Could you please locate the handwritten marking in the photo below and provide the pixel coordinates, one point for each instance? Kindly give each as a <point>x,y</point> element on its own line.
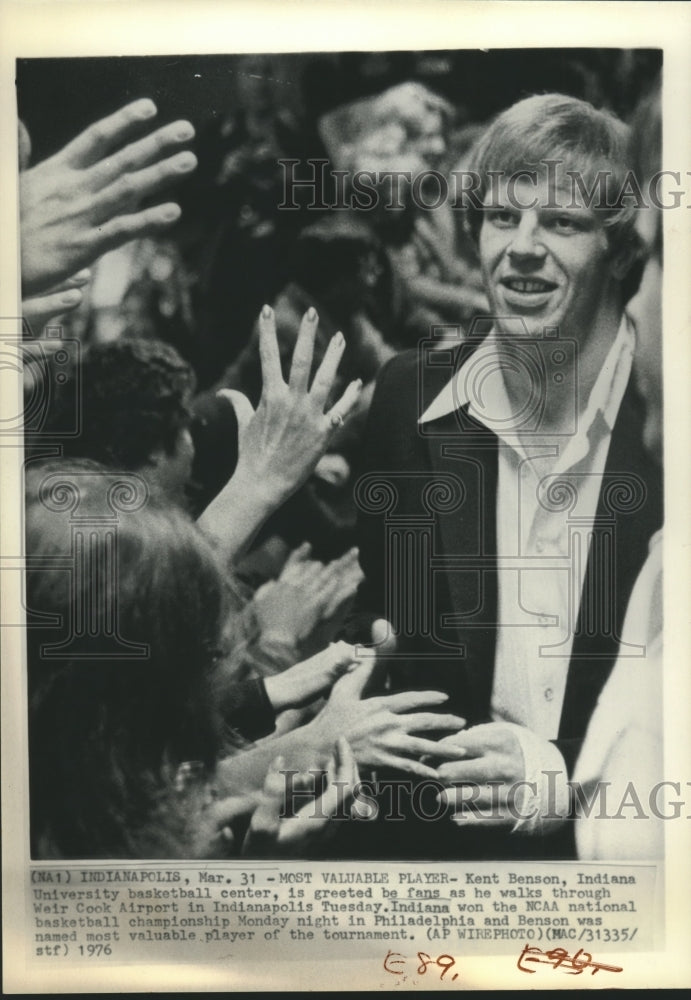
<point>559,958</point>
<point>395,964</point>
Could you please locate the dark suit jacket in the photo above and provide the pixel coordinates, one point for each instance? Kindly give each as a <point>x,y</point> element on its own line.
<point>427,536</point>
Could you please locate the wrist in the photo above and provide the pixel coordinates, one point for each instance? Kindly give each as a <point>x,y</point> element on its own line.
<point>278,637</point>
<point>264,489</point>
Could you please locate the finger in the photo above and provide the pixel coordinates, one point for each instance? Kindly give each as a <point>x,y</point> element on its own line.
<point>337,655</point>
<point>228,810</point>
<point>142,153</point>
<point>115,232</point>
<point>269,355</point>
<point>351,685</point>
<point>298,555</point>
<point>473,797</point>
<point>383,637</point>
<point>418,746</point>
<point>128,190</point>
<point>241,404</point>
<point>407,765</point>
<point>408,701</point>
<point>301,365</point>
<point>99,139</point>
<point>469,817</point>
<point>40,310</point>
<point>433,722</point>
<point>77,280</point>
<point>346,765</point>
<point>477,770</point>
<point>346,404</point>
<point>342,652</point>
<point>480,740</point>
<point>326,373</point>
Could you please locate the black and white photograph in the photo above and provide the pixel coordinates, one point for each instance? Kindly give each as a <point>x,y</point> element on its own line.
<point>340,459</point>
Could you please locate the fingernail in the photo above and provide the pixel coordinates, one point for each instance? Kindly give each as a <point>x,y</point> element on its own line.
<point>184,131</point>
<point>145,108</point>
<point>311,314</point>
<point>82,277</point>
<point>358,384</point>
<point>71,298</point>
<point>186,162</point>
<point>339,339</point>
<point>171,212</point>
<point>267,312</point>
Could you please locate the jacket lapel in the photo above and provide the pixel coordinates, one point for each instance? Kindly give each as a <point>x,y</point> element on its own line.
<point>629,511</point>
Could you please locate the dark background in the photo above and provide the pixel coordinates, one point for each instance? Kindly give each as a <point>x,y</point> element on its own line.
<point>59,97</point>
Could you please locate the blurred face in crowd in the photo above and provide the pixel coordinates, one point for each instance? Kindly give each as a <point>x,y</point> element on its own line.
<point>548,267</point>
<point>427,139</point>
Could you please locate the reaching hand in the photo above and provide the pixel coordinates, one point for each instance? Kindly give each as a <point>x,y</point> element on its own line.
<point>296,835</point>
<point>307,598</point>
<point>281,443</point>
<point>380,730</point>
<point>212,825</point>
<point>479,783</point>
<point>86,198</point>
<point>38,310</point>
<point>301,684</point>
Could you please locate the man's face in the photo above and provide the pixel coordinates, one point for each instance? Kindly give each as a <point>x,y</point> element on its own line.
<point>547,266</point>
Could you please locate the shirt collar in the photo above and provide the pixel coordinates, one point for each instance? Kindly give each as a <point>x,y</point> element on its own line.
<point>479,385</point>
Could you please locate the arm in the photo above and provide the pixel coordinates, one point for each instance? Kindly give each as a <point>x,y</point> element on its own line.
<point>382,732</point>
<point>86,198</point>
<point>281,443</point>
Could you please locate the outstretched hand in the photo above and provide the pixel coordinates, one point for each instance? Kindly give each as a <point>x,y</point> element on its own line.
<point>281,442</point>
<point>295,835</point>
<point>39,310</point>
<point>86,199</point>
<point>482,770</point>
<point>381,730</point>
<point>302,683</point>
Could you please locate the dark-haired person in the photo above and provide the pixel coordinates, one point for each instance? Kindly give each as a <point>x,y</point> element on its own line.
<point>124,728</point>
<point>545,499</point>
<point>135,411</point>
<point>134,401</point>
<point>125,605</point>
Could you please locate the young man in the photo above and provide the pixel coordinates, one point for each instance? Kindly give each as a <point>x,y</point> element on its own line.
<point>507,501</point>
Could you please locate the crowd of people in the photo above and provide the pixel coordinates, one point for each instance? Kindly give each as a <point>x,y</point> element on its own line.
<point>230,651</point>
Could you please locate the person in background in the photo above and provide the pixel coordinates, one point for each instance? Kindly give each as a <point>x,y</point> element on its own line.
<point>124,726</point>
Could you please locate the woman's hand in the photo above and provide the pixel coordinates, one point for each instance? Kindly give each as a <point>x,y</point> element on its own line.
<point>281,442</point>
<point>381,730</point>
<point>301,684</point>
<point>277,831</point>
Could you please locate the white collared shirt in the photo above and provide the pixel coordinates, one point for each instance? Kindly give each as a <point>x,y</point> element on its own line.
<point>547,495</point>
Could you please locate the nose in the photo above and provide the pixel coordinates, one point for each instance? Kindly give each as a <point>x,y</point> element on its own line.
<point>526,244</point>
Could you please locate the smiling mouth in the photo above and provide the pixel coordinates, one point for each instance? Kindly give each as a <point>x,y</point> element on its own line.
<point>528,286</point>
